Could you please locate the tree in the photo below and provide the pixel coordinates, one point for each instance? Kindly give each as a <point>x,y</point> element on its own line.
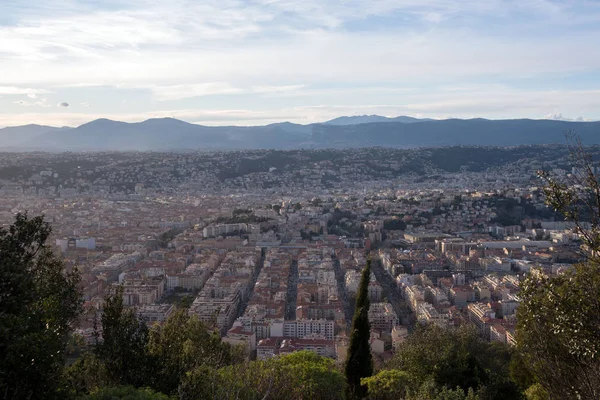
<point>577,197</point>
<point>359,362</point>
<point>431,391</point>
<point>388,384</point>
<point>85,375</point>
<point>125,393</point>
<point>394,224</point>
<point>122,347</point>
<point>39,303</point>
<point>455,358</point>
<point>558,331</point>
<point>536,392</point>
<point>183,344</point>
<point>296,376</point>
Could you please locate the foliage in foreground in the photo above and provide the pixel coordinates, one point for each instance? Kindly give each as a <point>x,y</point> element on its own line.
<point>299,375</point>
<point>125,393</point>
<point>436,359</point>
<point>39,303</point>
<point>558,331</point>
<point>183,344</point>
<point>123,347</point>
<point>132,355</point>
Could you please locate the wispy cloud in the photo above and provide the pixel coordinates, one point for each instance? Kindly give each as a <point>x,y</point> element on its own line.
<point>176,92</point>
<point>261,53</point>
<point>560,117</point>
<point>42,102</point>
<point>21,90</point>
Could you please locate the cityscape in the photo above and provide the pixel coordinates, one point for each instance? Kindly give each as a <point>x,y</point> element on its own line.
<point>268,247</point>
<point>299,200</point>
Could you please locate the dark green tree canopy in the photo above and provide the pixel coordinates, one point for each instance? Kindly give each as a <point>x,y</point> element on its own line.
<point>454,360</point>
<point>39,302</point>
<point>183,344</point>
<point>296,376</point>
<point>126,393</point>
<point>122,347</point>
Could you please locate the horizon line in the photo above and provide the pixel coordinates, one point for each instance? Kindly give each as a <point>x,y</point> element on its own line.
<point>308,124</point>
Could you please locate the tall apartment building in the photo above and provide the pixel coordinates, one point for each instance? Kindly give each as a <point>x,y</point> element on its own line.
<point>219,301</point>
<point>141,291</point>
<point>480,315</point>
<point>375,292</point>
<point>308,327</point>
<point>382,317</point>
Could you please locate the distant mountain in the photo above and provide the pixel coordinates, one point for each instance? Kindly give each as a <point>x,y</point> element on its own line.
<point>452,132</point>
<point>17,135</point>
<point>173,134</point>
<point>152,134</point>
<point>168,134</point>
<point>292,128</point>
<point>367,119</point>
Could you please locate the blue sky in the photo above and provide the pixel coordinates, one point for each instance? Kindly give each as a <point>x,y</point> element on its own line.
<point>221,62</point>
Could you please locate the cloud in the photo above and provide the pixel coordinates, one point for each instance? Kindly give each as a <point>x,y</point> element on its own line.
<point>433,17</point>
<point>176,92</point>
<point>268,43</point>
<point>278,89</point>
<point>43,102</point>
<point>560,117</point>
<point>274,55</point>
<point>63,104</point>
<point>21,90</point>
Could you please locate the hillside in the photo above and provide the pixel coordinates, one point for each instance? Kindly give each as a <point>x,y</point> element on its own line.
<point>343,132</point>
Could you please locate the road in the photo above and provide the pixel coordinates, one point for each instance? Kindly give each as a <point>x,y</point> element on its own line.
<point>341,283</point>
<point>292,292</point>
<point>390,291</point>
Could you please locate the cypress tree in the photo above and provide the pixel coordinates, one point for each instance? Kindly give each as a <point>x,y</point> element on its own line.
<point>359,363</point>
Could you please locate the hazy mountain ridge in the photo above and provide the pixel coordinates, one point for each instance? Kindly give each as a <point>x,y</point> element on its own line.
<point>367,119</point>
<point>172,134</point>
<point>19,135</point>
<point>452,132</point>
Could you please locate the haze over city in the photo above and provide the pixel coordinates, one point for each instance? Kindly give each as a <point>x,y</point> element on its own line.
<point>257,62</point>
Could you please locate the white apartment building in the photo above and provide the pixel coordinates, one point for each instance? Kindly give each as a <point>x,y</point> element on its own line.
<point>382,317</point>
<point>479,315</point>
<point>155,312</point>
<point>309,327</point>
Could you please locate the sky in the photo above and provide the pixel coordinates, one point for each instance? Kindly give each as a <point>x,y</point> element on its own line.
<point>235,62</point>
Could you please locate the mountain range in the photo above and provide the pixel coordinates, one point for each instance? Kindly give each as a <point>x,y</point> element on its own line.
<point>343,132</point>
